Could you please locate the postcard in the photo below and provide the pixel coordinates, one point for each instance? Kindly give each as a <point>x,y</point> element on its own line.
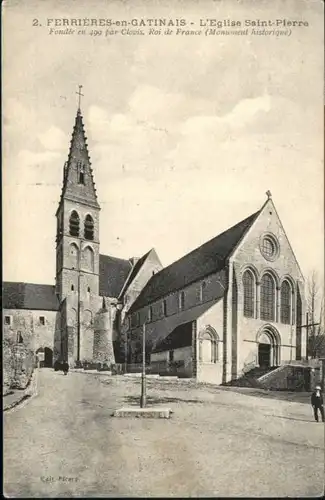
<point>163,248</point>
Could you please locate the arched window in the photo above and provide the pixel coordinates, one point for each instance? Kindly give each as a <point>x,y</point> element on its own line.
<point>74,223</point>
<point>72,288</point>
<point>201,291</point>
<point>88,259</point>
<point>181,301</point>
<point>89,228</point>
<point>267,298</point>
<point>164,308</point>
<point>74,256</point>
<point>293,307</point>
<point>149,314</point>
<point>285,302</point>
<point>208,347</point>
<point>249,294</point>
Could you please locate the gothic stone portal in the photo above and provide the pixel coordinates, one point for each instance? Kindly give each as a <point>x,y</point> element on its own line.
<point>268,348</point>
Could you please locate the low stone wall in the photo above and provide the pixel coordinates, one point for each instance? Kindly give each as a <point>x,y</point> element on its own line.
<point>286,377</point>
<point>18,365</point>
<point>163,368</point>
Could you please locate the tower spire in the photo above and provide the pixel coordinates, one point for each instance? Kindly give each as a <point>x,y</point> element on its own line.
<point>78,181</point>
<point>79,97</point>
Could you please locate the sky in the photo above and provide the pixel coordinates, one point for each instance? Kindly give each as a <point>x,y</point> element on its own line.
<point>185,133</point>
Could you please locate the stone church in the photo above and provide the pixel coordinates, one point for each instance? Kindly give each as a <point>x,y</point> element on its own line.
<point>232,304</point>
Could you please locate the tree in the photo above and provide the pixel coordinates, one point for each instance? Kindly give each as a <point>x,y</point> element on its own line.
<point>315,309</point>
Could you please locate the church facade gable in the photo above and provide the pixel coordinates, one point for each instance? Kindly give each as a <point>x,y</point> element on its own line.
<point>265,297</point>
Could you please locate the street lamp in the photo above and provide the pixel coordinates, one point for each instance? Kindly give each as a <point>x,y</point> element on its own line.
<point>143,378</point>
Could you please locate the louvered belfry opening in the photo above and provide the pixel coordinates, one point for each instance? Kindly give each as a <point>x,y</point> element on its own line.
<point>74,224</point>
<point>89,228</point>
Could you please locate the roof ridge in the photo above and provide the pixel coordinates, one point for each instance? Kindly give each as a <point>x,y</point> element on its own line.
<point>27,283</point>
<point>208,258</point>
<point>207,242</point>
<point>112,257</point>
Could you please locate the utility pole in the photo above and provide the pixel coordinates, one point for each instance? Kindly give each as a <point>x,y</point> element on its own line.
<point>126,351</point>
<point>78,307</point>
<point>143,379</point>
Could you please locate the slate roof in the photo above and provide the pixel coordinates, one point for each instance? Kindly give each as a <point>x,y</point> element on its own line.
<point>113,273</point>
<point>19,295</point>
<point>181,336</point>
<point>78,151</point>
<point>29,296</point>
<point>204,260</point>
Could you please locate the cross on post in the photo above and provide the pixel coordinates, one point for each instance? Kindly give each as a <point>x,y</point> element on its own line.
<point>79,96</point>
<point>268,194</point>
<point>143,398</point>
<point>307,326</point>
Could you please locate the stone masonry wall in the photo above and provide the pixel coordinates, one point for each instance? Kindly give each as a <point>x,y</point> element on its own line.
<point>29,323</point>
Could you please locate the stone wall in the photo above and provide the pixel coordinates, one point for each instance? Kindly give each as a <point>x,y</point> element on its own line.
<point>213,318</point>
<point>103,351</point>
<point>287,377</point>
<point>181,365</point>
<point>35,334</point>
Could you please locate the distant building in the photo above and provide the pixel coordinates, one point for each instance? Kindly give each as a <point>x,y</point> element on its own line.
<point>233,303</point>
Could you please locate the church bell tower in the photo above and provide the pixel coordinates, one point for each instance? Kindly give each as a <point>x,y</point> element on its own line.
<point>77,247</point>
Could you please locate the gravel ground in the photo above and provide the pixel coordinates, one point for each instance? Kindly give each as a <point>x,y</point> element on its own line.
<point>218,442</point>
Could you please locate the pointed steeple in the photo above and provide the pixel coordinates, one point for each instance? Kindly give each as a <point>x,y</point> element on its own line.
<point>78,180</point>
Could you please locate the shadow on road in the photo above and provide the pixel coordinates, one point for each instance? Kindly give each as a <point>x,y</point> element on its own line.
<point>134,400</point>
<point>290,418</point>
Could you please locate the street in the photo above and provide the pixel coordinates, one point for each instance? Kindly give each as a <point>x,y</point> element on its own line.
<point>64,442</point>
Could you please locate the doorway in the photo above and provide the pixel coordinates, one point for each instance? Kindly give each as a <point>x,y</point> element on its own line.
<point>264,355</point>
<point>48,357</point>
